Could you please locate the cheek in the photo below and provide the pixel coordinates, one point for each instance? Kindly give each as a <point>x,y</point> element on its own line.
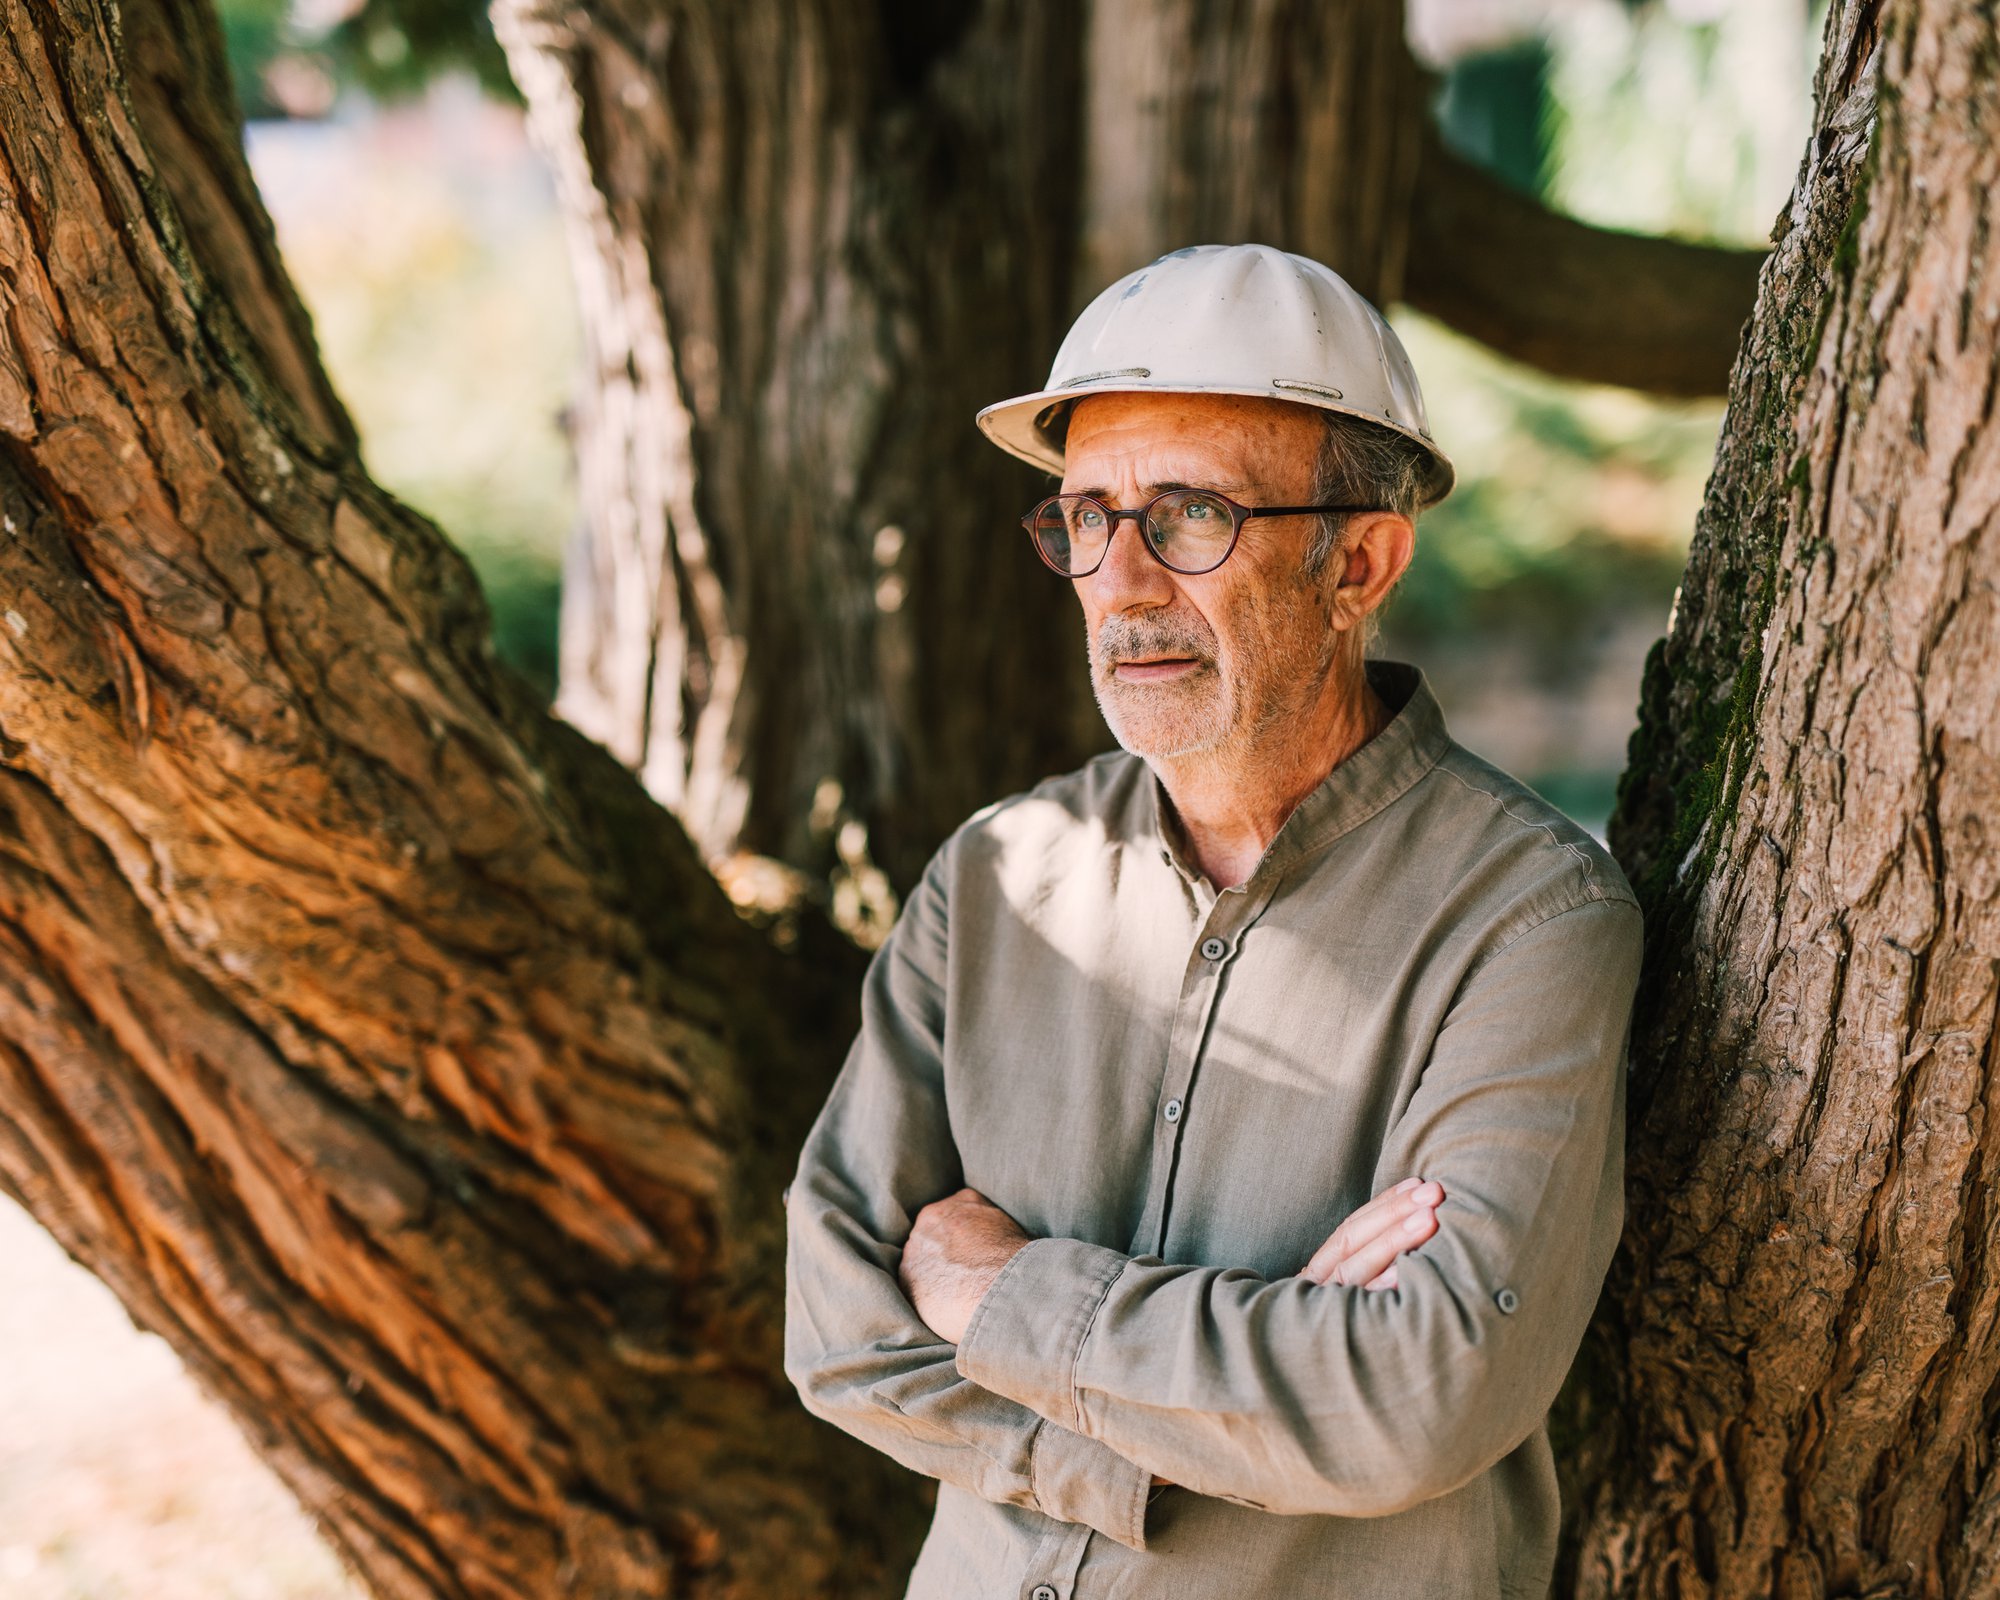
<point>1241,621</point>
<point>1211,604</point>
<point>1273,626</point>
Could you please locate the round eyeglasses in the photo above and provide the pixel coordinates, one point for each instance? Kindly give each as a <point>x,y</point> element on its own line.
<point>1187,530</point>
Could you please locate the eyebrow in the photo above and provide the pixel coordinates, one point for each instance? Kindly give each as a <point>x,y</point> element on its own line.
<point>1162,488</point>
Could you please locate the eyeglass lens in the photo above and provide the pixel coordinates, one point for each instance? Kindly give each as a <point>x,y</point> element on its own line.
<point>1188,529</point>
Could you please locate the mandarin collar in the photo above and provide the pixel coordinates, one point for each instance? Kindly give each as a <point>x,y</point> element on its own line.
<point>1371,778</point>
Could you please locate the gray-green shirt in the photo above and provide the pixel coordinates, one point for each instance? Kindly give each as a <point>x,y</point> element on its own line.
<point>1180,1093</point>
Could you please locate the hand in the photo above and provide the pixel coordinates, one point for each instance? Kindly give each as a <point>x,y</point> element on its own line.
<point>956,1249</point>
<point>1363,1249</point>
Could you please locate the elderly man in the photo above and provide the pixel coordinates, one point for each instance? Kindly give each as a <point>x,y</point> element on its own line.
<point>1084,1230</point>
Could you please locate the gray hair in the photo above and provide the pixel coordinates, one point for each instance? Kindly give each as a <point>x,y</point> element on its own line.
<point>1363,464</point>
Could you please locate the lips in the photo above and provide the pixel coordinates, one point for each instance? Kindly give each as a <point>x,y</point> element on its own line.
<point>1133,669</point>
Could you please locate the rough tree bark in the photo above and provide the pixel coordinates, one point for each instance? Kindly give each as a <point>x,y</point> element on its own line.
<point>796,272</point>
<point>1794,1387</point>
<point>366,1029</point>
<point>394,1056</point>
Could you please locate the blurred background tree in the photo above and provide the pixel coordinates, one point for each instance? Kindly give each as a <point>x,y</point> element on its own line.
<point>424,237</point>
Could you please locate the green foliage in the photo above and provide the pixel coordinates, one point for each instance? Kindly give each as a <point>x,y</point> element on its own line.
<point>294,57</point>
<point>392,48</point>
<point>1562,547</point>
<point>254,32</point>
<point>1573,500</point>
<point>1495,108</point>
<point>427,247</point>
<point>1685,119</point>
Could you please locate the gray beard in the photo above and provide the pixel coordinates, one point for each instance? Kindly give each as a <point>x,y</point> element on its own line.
<point>1202,723</point>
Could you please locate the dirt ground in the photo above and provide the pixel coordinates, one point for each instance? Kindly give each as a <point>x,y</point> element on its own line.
<point>119,1480</point>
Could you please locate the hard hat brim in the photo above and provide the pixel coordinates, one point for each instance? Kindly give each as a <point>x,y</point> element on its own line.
<point>1017,426</point>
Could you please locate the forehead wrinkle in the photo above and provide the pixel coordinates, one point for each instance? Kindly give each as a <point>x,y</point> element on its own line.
<point>1233,448</point>
<point>1162,486</point>
<point>1160,464</point>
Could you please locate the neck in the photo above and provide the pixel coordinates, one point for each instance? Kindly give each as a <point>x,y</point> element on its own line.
<point>1232,800</point>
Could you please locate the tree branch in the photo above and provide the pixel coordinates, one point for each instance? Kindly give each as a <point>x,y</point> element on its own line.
<point>366,1028</point>
<point>1578,301</point>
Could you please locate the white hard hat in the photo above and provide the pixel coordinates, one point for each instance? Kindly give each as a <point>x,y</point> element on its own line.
<point>1227,319</point>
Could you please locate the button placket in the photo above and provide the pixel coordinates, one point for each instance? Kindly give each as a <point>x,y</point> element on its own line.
<point>1235,910</point>
<point>1053,1568</point>
<point>1212,949</point>
<point>1190,1025</point>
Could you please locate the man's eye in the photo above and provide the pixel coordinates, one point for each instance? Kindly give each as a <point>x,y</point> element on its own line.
<point>1093,520</point>
<point>1198,512</point>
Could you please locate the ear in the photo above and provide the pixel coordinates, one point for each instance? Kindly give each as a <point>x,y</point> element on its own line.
<point>1374,554</point>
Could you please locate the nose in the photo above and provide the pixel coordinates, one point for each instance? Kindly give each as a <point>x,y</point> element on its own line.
<point>1128,579</point>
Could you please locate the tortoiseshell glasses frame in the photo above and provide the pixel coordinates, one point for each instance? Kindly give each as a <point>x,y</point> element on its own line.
<point>1183,527</point>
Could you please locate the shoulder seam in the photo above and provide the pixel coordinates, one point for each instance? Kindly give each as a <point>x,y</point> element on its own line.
<point>1590,867</point>
<point>1571,909</point>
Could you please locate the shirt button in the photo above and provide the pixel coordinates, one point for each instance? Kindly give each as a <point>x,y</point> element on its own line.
<point>1042,1591</point>
<point>1507,1300</point>
<point>1213,949</point>
<point>1172,1111</point>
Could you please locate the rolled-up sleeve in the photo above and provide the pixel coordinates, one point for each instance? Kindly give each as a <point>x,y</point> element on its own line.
<point>854,1347</point>
<point>1296,1397</point>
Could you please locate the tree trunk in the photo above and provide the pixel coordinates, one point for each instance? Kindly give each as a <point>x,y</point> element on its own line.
<point>365,1028</point>
<point>1796,1366</point>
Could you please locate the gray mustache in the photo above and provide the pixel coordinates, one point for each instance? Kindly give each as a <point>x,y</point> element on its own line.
<point>1123,642</point>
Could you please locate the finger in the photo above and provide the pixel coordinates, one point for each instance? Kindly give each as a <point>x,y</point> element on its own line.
<point>1335,1260</point>
<point>1385,1279</point>
<point>1387,1210</point>
<point>1363,1225</point>
<point>1378,1253</point>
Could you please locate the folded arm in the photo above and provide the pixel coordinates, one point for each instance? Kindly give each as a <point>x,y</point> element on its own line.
<point>854,1346</point>
<point>1300,1396</point>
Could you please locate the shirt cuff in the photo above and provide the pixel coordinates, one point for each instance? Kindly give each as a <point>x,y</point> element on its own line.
<point>1079,1480</point>
<point>1025,1336</point>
